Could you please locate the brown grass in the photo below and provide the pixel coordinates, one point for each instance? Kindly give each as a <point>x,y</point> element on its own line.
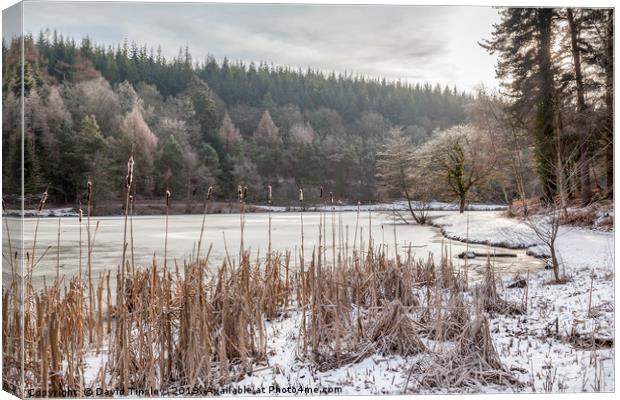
<point>193,324</point>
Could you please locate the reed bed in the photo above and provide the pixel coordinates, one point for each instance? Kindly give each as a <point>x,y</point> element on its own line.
<point>196,324</point>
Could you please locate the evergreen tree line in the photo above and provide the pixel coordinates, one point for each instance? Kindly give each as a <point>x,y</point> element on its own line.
<point>191,124</point>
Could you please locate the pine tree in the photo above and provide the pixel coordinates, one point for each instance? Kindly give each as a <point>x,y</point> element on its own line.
<point>171,166</point>
<point>575,27</point>
<point>267,133</point>
<point>90,141</point>
<point>228,133</point>
<point>522,41</point>
<point>598,53</point>
<point>205,112</point>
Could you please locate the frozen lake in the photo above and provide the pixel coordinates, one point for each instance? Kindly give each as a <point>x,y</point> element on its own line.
<point>184,231</point>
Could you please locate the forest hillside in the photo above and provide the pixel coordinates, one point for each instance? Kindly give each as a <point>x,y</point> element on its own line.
<point>196,123</point>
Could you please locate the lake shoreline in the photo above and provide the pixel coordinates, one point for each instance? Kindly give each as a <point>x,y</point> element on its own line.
<point>148,208</point>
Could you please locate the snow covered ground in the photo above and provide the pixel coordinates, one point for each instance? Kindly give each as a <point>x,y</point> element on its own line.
<point>577,247</point>
<point>533,346</point>
<point>46,212</point>
<point>536,346</point>
<point>398,206</point>
<point>587,257</point>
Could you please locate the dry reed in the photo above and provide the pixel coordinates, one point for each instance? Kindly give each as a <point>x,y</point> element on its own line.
<point>204,217</point>
<point>195,325</point>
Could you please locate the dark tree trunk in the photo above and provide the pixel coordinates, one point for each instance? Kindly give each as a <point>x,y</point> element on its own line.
<point>609,102</point>
<point>411,210</point>
<point>545,128</point>
<point>555,264</point>
<point>462,203</point>
<point>405,189</point>
<point>584,161</point>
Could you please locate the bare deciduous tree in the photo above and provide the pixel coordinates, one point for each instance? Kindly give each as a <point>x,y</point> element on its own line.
<point>460,160</point>
<point>401,175</point>
<point>546,228</point>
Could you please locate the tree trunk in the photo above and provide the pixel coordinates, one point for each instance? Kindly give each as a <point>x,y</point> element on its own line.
<point>462,203</point>
<point>545,129</point>
<point>609,103</point>
<point>413,214</point>
<point>584,161</point>
<point>555,263</point>
<point>560,167</point>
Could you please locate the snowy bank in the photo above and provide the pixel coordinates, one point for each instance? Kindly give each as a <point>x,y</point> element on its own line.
<point>491,228</point>
<point>46,212</point>
<point>578,246</point>
<point>397,206</point>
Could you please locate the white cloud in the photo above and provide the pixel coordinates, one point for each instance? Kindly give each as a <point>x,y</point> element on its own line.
<point>419,44</point>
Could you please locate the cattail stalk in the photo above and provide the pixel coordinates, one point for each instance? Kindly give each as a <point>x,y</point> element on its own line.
<point>331,200</point>
<point>241,192</point>
<point>58,252</point>
<point>269,199</point>
<point>128,185</point>
<point>301,215</point>
<point>357,222</point>
<point>80,217</point>
<point>340,238</point>
<point>99,314</point>
<point>124,326</point>
<point>320,233</point>
<point>36,229</point>
<point>131,203</point>
<point>204,217</point>
<point>166,237</point>
<point>369,228</point>
<point>89,195</point>
<point>394,230</point>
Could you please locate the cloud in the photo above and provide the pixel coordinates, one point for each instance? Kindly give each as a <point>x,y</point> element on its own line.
<point>436,44</point>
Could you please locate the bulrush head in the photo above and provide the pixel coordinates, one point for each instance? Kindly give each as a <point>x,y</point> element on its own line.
<point>43,200</point>
<point>321,192</point>
<point>301,195</point>
<point>130,164</point>
<point>81,214</point>
<point>209,192</point>
<point>331,197</point>
<point>245,192</point>
<point>269,194</point>
<point>240,193</point>
<point>167,198</point>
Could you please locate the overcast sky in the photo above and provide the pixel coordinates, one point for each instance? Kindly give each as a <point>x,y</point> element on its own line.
<point>419,44</point>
